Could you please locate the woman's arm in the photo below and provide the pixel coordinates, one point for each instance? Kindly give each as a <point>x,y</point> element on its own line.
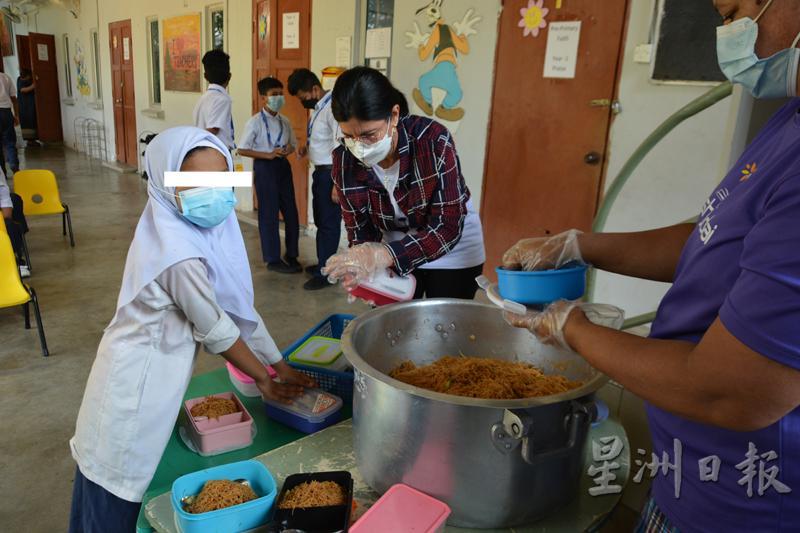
<point>28,89</point>
<point>257,154</point>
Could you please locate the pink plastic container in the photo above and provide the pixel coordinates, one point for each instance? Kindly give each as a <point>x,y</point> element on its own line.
<point>244,383</point>
<point>404,510</point>
<point>224,434</point>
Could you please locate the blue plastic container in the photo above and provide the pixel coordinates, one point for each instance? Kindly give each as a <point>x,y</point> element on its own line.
<point>311,412</point>
<point>242,517</point>
<point>338,383</point>
<point>542,286</point>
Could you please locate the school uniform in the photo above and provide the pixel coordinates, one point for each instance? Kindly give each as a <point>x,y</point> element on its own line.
<point>15,224</point>
<point>265,132</point>
<point>184,286</point>
<point>322,130</point>
<point>8,135</point>
<point>213,110</point>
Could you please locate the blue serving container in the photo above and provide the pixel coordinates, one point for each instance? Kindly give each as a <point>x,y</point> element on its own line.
<point>307,413</point>
<point>242,517</point>
<point>542,286</point>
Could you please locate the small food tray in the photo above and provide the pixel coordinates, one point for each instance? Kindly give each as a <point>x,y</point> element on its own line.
<point>322,352</point>
<point>403,509</point>
<point>317,519</point>
<point>221,435</point>
<point>542,286</point>
<point>240,517</point>
<point>244,383</point>
<point>309,413</point>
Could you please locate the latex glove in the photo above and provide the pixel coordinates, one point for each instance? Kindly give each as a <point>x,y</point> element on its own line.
<point>544,253</point>
<point>358,264</point>
<point>548,325</point>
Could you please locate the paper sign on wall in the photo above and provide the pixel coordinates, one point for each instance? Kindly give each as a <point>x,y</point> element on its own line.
<point>42,52</point>
<point>379,43</point>
<point>126,48</point>
<point>291,30</point>
<point>561,55</point>
<point>343,52</point>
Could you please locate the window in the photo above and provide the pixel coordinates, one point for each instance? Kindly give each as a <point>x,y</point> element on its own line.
<point>96,64</point>
<point>380,14</point>
<point>215,19</point>
<point>67,69</point>
<point>154,61</point>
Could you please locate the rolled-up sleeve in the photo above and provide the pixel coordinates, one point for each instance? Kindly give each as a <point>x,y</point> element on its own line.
<point>263,346</point>
<point>188,284</point>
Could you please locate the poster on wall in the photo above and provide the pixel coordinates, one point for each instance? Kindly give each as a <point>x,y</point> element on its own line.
<point>6,36</point>
<point>291,30</point>
<point>181,43</point>
<point>41,52</point>
<point>81,75</point>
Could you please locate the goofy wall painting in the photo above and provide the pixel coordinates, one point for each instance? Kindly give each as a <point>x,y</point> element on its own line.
<point>444,43</point>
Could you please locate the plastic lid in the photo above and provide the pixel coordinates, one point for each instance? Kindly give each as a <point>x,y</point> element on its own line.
<point>315,405</point>
<point>319,351</point>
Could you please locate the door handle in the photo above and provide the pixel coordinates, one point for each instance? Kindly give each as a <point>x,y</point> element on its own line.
<point>592,158</point>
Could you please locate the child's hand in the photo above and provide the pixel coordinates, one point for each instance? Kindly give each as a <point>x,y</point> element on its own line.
<point>288,149</point>
<point>279,392</point>
<point>292,376</point>
<point>302,151</point>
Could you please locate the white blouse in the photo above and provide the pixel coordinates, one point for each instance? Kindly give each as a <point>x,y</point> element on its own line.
<point>141,372</point>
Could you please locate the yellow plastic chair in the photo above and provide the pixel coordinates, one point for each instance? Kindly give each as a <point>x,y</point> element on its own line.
<point>39,192</point>
<point>4,229</point>
<point>14,292</point>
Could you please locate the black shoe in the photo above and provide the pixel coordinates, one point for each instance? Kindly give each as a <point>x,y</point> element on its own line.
<point>312,270</point>
<point>294,263</point>
<point>316,283</point>
<point>280,267</point>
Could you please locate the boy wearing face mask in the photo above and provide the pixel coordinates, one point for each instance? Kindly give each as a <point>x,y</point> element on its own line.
<point>269,139</point>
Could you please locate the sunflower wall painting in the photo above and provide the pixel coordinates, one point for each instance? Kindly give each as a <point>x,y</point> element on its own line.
<point>181,44</point>
<point>81,75</point>
<point>533,18</point>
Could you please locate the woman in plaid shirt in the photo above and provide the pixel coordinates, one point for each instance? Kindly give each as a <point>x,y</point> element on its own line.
<point>404,201</point>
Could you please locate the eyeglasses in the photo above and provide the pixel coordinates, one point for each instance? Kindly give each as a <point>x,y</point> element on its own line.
<point>368,138</point>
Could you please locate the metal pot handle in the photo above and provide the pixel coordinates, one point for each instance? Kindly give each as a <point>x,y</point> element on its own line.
<point>516,430</point>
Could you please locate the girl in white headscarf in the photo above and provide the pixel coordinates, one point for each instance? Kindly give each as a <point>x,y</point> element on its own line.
<point>187,282</point>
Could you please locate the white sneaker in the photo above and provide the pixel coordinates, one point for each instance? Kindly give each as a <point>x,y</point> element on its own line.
<point>24,271</point>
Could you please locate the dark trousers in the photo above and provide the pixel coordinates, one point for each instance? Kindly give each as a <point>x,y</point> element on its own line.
<point>16,226</point>
<point>9,138</point>
<point>441,283</point>
<point>95,510</point>
<point>275,193</point>
<point>327,215</point>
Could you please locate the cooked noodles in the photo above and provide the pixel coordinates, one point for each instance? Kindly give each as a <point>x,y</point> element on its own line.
<point>214,407</point>
<point>313,494</point>
<point>483,378</point>
<point>220,494</point>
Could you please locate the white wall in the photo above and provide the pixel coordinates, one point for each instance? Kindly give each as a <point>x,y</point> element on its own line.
<point>672,182</point>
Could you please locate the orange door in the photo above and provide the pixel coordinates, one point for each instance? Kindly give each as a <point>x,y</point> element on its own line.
<point>546,151</point>
<point>48,97</point>
<point>271,59</point>
<point>122,90</point>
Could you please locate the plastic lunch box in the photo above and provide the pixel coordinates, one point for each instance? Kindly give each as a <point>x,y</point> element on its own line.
<point>403,509</point>
<point>542,287</point>
<point>317,519</point>
<point>320,351</point>
<point>244,383</point>
<point>311,412</point>
<point>237,518</point>
<point>224,434</point>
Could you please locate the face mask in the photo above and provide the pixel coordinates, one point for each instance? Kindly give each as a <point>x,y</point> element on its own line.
<point>771,77</point>
<point>207,206</point>
<point>275,102</point>
<point>371,154</point>
<point>310,103</point>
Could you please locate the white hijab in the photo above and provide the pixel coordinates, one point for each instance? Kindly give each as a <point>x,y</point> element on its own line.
<point>164,237</point>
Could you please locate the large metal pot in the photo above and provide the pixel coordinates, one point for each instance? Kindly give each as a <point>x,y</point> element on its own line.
<point>496,463</point>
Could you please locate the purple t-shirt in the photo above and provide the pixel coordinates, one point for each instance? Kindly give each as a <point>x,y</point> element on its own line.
<point>741,263</point>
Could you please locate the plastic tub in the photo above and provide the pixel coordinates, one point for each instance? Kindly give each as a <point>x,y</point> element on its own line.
<point>323,352</point>
<point>241,517</point>
<point>317,519</point>
<point>311,412</point>
<point>221,435</point>
<point>542,287</point>
<point>244,383</point>
<point>402,510</point>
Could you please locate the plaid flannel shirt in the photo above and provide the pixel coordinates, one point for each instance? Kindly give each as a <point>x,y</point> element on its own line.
<point>431,191</point>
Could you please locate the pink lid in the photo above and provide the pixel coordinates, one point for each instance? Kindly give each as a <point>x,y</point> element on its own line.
<point>244,378</point>
<point>403,510</point>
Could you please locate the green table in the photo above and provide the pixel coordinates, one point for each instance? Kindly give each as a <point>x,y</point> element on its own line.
<point>179,460</point>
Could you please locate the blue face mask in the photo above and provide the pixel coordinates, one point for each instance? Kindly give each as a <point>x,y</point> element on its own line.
<point>771,77</point>
<point>207,206</point>
<point>275,102</point>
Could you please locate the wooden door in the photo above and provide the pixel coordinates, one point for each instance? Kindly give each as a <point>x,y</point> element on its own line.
<point>122,90</point>
<point>546,151</point>
<point>47,95</point>
<point>24,52</point>
<point>270,58</point>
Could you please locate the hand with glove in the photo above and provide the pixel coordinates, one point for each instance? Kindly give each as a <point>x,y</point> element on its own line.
<point>544,253</point>
<point>548,325</point>
<point>358,264</point>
